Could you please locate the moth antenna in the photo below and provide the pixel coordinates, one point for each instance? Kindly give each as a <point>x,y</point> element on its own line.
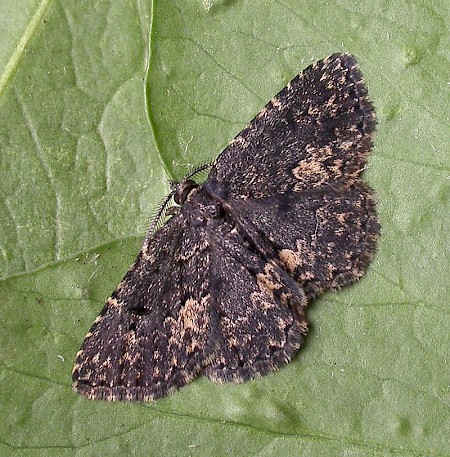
<point>161,209</point>
<point>198,170</point>
<point>159,214</point>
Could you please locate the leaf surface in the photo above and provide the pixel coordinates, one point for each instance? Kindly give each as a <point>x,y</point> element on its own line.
<point>88,138</point>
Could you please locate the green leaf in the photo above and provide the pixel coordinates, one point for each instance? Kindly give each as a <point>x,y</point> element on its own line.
<point>88,138</point>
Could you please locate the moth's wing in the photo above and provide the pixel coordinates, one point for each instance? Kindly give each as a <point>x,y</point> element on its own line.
<point>260,307</point>
<point>323,238</point>
<point>154,333</point>
<point>317,130</point>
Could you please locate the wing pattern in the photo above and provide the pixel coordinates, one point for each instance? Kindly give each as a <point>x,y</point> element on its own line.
<point>221,288</point>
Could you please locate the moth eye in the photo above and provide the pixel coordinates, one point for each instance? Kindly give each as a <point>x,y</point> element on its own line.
<point>183,190</point>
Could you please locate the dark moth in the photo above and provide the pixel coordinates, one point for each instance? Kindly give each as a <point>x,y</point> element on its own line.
<point>221,288</point>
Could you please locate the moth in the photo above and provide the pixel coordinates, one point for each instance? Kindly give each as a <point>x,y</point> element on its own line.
<point>221,288</point>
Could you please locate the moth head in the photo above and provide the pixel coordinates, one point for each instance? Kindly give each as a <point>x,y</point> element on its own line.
<point>181,190</point>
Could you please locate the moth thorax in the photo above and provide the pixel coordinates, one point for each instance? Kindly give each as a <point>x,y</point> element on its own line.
<point>182,190</point>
